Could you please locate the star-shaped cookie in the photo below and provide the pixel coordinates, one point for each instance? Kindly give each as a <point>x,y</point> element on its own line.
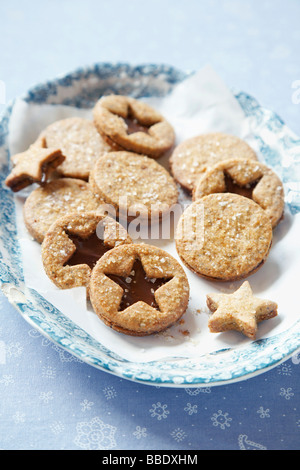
<point>33,166</point>
<point>239,311</point>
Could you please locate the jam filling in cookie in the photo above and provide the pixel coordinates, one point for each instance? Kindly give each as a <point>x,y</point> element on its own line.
<point>129,124</point>
<point>233,187</point>
<point>193,157</point>
<point>74,244</point>
<point>133,125</point>
<point>138,287</point>
<point>247,178</point>
<point>88,250</point>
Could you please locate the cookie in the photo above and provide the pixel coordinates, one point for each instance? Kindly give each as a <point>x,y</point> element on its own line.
<point>139,289</point>
<point>129,124</point>
<point>240,311</point>
<point>224,237</point>
<point>80,143</point>
<point>134,184</point>
<point>74,243</point>
<point>35,165</point>
<point>55,199</point>
<point>247,178</point>
<point>192,157</point>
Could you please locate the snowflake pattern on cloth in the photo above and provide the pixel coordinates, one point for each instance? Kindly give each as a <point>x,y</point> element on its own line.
<point>79,407</point>
<point>95,435</point>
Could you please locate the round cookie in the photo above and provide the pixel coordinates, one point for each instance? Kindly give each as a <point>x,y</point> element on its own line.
<point>134,184</point>
<point>139,289</point>
<point>224,237</point>
<point>192,157</point>
<point>74,243</point>
<point>59,197</point>
<point>248,178</point>
<point>129,124</point>
<point>80,143</point>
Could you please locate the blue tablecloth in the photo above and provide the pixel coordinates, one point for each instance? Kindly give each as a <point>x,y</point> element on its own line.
<point>48,398</point>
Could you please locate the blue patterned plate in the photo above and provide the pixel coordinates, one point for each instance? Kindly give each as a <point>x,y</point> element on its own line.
<point>82,88</point>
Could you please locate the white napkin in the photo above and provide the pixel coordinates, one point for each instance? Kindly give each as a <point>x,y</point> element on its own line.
<point>201,103</point>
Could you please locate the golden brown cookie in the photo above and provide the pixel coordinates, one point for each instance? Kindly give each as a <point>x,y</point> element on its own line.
<point>192,157</point>
<point>55,199</point>
<point>74,243</point>
<point>224,237</point>
<point>239,311</point>
<point>247,178</point>
<point>139,289</point>
<point>80,143</point>
<point>130,124</point>
<point>35,165</point>
<point>134,184</point>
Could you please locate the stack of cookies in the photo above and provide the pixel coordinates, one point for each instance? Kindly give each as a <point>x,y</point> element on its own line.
<point>226,232</point>
<point>86,168</point>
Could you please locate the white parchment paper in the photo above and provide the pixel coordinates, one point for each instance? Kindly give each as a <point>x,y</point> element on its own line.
<point>202,103</point>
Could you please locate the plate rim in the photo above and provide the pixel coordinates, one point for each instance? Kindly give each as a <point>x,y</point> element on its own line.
<point>172,380</point>
<point>142,381</point>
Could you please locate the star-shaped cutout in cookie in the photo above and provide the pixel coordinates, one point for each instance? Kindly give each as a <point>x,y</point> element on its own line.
<point>33,166</point>
<point>239,311</point>
<point>138,287</point>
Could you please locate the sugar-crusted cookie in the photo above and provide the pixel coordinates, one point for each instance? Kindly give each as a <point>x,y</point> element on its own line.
<point>130,124</point>
<point>239,311</point>
<point>248,178</point>
<point>139,289</point>
<point>134,184</point>
<point>55,199</point>
<point>74,243</point>
<point>224,237</point>
<point>80,143</point>
<point>35,165</point>
<point>192,157</point>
